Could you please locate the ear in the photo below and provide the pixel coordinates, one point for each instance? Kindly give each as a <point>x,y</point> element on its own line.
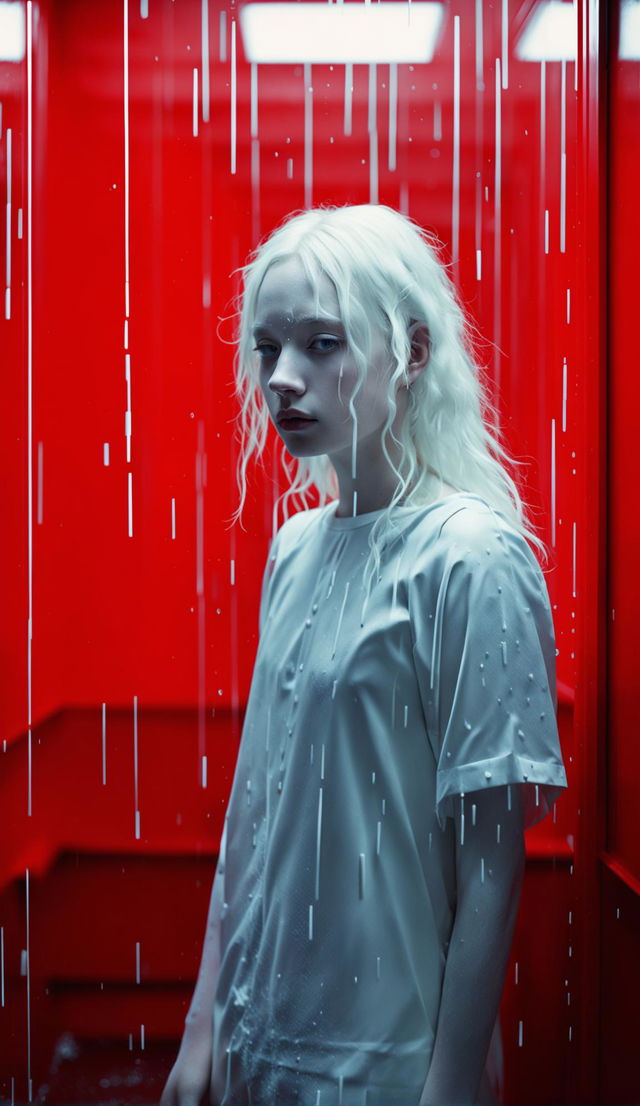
<point>420,350</point>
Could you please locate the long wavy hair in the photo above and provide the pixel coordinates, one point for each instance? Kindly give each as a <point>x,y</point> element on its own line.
<point>388,273</point>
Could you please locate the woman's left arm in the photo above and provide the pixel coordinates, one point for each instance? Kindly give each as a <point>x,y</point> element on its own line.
<point>489,873</point>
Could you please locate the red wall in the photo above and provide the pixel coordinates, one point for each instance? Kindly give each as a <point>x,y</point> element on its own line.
<point>145,629</point>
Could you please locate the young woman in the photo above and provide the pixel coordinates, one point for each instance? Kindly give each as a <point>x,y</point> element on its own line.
<point>400,733</point>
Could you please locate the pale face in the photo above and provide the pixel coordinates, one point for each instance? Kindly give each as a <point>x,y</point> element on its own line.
<point>304,363</point>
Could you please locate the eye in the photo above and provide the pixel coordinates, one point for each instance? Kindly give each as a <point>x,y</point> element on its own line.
<point>334,343</point>
<point>265,350</point>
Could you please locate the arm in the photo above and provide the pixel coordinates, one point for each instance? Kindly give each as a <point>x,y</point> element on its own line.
<point>190,1076</point>
<point>201,1008</point>
<point>480,943</point>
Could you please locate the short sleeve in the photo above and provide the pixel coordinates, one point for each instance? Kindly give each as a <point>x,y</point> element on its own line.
<point>485,653</point>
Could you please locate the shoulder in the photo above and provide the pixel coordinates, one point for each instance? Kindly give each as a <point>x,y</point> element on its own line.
<point>293,529</point>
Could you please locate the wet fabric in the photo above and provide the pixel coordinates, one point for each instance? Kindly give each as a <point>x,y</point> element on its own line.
<point>367,718</point>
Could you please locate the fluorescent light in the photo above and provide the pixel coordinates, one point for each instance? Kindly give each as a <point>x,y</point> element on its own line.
<point>550,33</point>
<point>12,36</point>
<point>629,48</point>
<point>284,33</point>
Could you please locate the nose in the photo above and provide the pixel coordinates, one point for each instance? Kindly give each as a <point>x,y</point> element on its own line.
<point>286,376</point>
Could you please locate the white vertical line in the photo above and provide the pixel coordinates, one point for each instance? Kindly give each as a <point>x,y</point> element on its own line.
<point>573,566</point>
<point>542,158</point>
<point>254,100</point>
<point>7,295</point>
<point>173,519</point>
<point>568,306</point>
<point>223,36</point>
<point>373,135</point>
<point>104,744</point>
<point>553,482</point>
<point>205,62</point>
<point>497,202</point>
<point>127,417</point>
<point>144,9</point>
<point>105,454</point>
<point>233,96</point>
<point>255,188</point>
<point>130,502</point>
<point>563,161</point>
<point>455,192</point>
<point>135,766</point>
<point>40,482</point>
<point>137,961</point>
<point>194,102</point>
<point>308,135</point>
<point>564,394</point>
<point>393,114</point>
<point>348,96</point>
<point>30,390</point>
<point>479,48</point>
<point>318,841</point>
<point>126,157</point>
<point>505,43</point>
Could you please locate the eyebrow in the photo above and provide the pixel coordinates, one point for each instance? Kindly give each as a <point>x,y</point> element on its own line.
<point>330,320</point>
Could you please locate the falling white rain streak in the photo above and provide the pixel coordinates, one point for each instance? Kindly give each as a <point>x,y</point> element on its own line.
<point>205,61</point>
<point>173,519</point>
<point>29,390</point>
<point>105,454</point>
<point>144,9</point>
<point>520,1025</point>
<point>234,103</point>
<point>204,772</point>
<point>564,393</point>
<point>7,294</point>
<point>130,502</point>
<point>361,876</point>
<point>104,744</point>
<point>553,482</point>
<point>28,972</point>
<point>563,160</point>
<point>346,592</point>
<point>135,766</point>
<point>223,36</point>
<point>141,1036</point>
<point>127,414</point>
<point>497,221</point>
<point>254,100</point>
<point>308,135</point>
<point>201,483</point>
<point>482,869</point>
<point>40,482</point>
<point>573,565</point>
<point>318,841</point>
<point>137,961</point>
<point>505,43</point>
<point>194,104</point>
<point>378,832</point>
<point>462,818</point>
<point>479,135</point>
<point>348,96</point>
<point>479,48</point>
<point>373,135</point>
<point>393,113</point>
<point>455,192</point>
<point>542,156</point>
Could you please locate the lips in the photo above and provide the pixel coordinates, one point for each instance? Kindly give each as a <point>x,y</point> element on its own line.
<point>286,417</point>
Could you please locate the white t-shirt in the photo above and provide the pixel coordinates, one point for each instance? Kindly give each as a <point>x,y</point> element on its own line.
<point>363,724</point>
